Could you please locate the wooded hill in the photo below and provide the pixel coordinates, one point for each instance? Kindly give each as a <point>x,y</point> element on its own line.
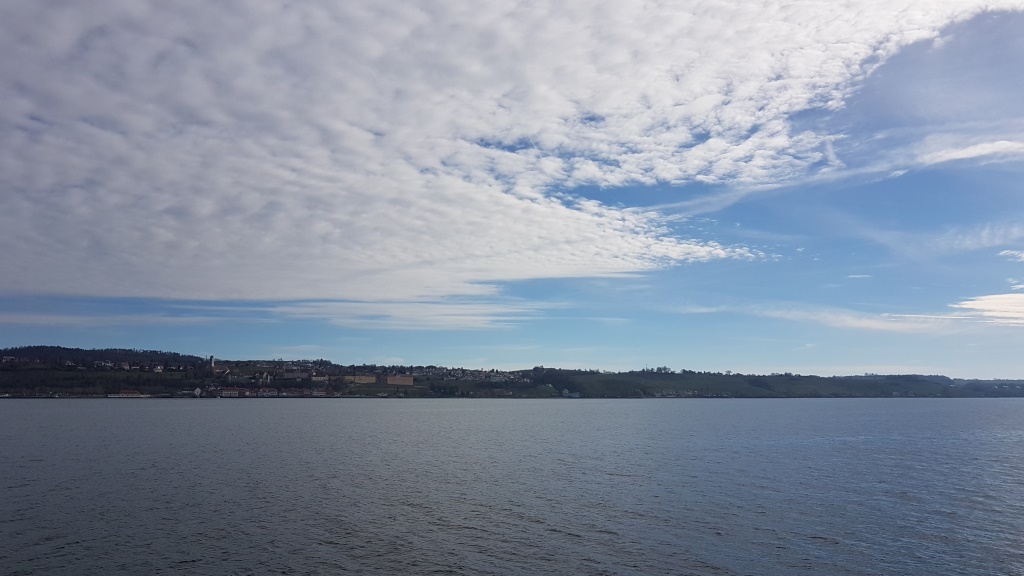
<point>80,357</point>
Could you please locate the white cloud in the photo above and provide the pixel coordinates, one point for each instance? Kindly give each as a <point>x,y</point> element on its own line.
<point>447,315</point>
<point>88,320</point>
<point>977,238</point>
<point>399,152</point>
<point>954,240</point>
<point>1015,255</point>
<point>934,102</point>
<point>1001,309</point>
<point>857,320</point>
<point>1005,309</point>
<point>833,317</point>
<point>1002,149</point>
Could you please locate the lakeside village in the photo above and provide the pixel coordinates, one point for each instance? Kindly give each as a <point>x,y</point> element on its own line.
<point>214,378</point>
<point>308,379</point>
<point>57,372</point>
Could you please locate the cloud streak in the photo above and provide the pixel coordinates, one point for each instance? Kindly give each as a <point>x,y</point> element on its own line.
<point>1001,149</point>
<point>89,321</point>
<point>847,319</point>
<point>954,240</point>
<point>413,315</point>
<point>835,317</point>
<point>996,309</point>
<point>1015,255</point>
<point>1003,309</point>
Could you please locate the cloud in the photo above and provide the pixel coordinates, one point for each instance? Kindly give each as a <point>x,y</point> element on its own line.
<point>448,315</point>
<point>954,240</point>
<point>1005,309</point>
<point>1015,255</point>
<point>847,319</point>
<point>834,318</point>
<point>1002,149</point>
<point>399,154</point>
<point>85,321</point>
<point>977,238</point>
<point>950,98</point>
<point>1001,309</point>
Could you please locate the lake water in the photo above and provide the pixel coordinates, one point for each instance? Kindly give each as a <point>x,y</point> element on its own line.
<point>715,487</point>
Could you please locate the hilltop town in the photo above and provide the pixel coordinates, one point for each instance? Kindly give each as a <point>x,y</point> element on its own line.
<point>56,372</point>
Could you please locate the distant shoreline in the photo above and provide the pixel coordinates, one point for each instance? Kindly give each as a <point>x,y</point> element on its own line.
<point>52,371</point>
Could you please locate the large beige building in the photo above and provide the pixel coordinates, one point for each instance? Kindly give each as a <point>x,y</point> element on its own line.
<point>399,380</point>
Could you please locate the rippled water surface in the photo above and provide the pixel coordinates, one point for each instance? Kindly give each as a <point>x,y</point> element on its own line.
<point>896,486</point>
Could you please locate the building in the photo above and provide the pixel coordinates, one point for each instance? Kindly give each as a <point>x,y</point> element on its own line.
<point>399,380</point>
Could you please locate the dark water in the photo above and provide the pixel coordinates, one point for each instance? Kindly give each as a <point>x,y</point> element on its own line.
<point>512,487</point>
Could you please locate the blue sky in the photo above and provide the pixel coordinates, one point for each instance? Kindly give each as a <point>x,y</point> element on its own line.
<point>820,188</point>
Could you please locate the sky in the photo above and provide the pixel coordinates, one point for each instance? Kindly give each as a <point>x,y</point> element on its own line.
<point>757,186</point>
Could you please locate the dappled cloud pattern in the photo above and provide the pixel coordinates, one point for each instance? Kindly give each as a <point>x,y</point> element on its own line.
<point>402,152</point>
